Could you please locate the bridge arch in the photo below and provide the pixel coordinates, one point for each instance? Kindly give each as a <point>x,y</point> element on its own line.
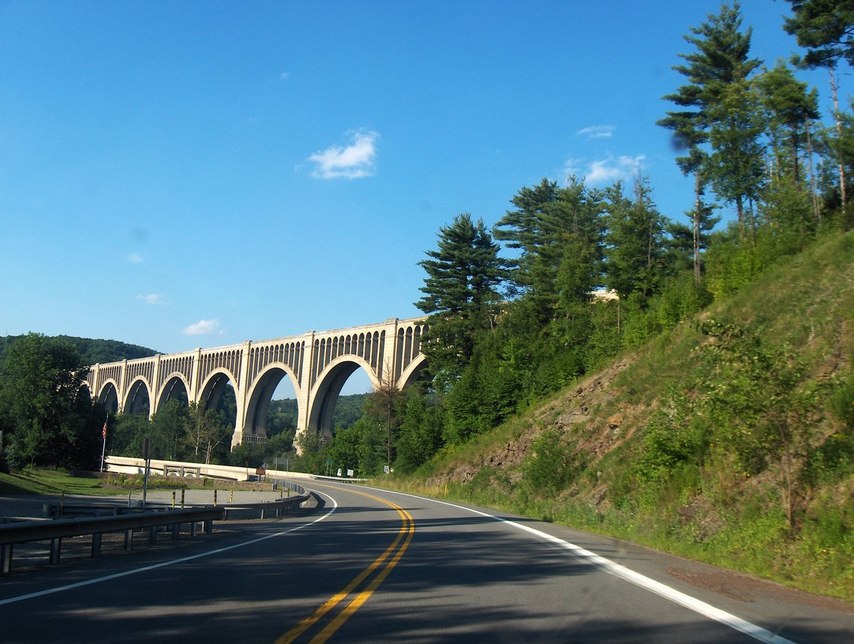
<point>108,396</point>
<point>138,399</point>
<point>175,387</point>
<point>259,396</point>
<point>322,399</point>
<point>215,386</point>
<point>412,372</point>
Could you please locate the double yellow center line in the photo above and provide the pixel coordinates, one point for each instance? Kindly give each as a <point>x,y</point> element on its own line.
<point>360,588</point>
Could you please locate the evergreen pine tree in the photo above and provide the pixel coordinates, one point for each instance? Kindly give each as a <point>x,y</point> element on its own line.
<point>718,126</point>
<point>460,294</point>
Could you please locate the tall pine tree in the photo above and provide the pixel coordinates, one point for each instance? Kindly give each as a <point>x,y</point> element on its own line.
<point>825,28</point>
<point>460,294</point>
<point>718,125</point>
<point>635,252</point>
<point>558,233</point>
<point>791,108</point>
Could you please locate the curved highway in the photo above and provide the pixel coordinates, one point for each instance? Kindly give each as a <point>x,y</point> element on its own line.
<point>373,565</point>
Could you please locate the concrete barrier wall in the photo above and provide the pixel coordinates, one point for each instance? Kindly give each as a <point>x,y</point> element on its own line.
<point>128,465</point>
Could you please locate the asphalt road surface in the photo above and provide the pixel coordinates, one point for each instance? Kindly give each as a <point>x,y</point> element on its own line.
<point>374,566</point>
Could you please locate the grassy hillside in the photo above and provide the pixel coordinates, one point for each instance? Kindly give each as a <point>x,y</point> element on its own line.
<point>729,440</point>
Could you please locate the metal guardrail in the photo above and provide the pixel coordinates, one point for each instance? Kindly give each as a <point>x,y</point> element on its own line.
<point>63,510</point>
<point>55,531</point>
<point>275,509</point>
<point>114,518</point>
<point>267,509</point>
<point>338,479</point>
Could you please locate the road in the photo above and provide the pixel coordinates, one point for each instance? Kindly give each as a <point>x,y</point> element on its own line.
<point>381,566</point>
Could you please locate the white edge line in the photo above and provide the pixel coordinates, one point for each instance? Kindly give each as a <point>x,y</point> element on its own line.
<point>636,578</point>
<point>164,564</point>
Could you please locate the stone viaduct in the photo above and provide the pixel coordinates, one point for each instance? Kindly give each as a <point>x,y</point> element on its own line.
<point>317,364</point>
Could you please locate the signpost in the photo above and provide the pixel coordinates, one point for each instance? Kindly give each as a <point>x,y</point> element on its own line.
<point>146,454</point>
<point>103,445</point>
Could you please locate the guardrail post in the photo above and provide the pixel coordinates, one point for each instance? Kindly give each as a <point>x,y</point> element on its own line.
<point>129,539</point>
<point>176,529</point>
<point>152,535</point>
<point>208,526</point>
<point>96,545</point>
<point>55,548</point>
<point>6,557</point>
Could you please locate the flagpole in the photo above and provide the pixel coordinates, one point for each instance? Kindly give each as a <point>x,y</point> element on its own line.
<point>104,444</point>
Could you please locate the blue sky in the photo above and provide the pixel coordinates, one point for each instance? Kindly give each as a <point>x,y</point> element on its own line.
<point>185,174</point>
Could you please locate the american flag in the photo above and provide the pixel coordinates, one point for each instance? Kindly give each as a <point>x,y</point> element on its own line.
<point>104,431</point>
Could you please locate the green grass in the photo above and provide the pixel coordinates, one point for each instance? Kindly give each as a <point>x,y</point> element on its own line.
<point>46,481</point>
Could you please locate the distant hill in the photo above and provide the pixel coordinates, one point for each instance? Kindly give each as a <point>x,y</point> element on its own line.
<point>283,413</point>
<point>93,351</point>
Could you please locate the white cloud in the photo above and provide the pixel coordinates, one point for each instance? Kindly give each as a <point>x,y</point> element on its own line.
<point>151,298</point>
<point>351,162</point>
<point>284,76</point>
<point>596,132</point>
<point>202,327</point>
<point>135,258</point>
<point>605,171</point>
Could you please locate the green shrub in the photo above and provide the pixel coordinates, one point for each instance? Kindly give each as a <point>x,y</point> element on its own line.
<point>552,463</point>
<point>842,403</point>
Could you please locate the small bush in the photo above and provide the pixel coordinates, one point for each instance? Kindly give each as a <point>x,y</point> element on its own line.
<point>552,464</point>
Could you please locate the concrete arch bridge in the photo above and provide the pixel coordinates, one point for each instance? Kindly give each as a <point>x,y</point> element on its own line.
<point>317,364</point>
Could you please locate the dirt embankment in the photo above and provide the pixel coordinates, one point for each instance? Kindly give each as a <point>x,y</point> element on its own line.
<point>588,415</point>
